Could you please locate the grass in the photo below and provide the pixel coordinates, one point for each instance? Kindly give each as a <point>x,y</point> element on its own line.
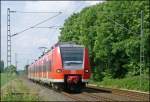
<point>17,91</point>
<point>132,83</point>
<point>5,78</point>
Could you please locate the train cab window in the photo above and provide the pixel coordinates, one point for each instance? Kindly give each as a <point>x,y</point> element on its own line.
<point>72,57</point>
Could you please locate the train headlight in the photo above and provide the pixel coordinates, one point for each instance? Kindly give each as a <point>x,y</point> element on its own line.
<point>86,70</point>
<point>58,70</point>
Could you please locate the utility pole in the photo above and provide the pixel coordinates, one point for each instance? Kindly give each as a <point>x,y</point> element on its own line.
<point>8,39</point>
<point>16,62</point>
<point>141,49</point>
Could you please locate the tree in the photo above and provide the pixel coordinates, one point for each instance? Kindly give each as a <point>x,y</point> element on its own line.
<point>11,69</point>
<point>1,66</point>
<point>112,37</point>
<point>26,69</point>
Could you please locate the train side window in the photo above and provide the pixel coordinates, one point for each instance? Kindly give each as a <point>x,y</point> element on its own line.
<point>50,65</point>
<point>44,65</point>
<point>33,68</point>
<point>30,70</point>
<point>47,66</point>
<point>40,68</point>
<point>37,68</point>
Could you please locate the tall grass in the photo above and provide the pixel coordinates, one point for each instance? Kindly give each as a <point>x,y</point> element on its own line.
<point>132,83</point>
<point>17,91</point>
<point>6,77</point>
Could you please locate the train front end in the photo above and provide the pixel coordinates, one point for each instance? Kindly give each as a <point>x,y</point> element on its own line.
<point>76,66</point>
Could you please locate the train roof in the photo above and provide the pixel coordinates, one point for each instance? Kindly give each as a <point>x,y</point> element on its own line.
<point>67,44</point>
<point>60,44</point>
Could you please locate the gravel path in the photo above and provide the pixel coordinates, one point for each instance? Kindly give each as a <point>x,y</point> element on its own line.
<point>45,93</point>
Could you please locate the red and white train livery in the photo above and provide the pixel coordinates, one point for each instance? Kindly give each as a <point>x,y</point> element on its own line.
<point>65,65</point>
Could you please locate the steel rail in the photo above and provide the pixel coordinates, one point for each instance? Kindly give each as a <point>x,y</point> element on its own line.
<point>131,94</point>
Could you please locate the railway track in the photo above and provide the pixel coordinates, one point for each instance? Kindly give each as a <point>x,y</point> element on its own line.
<point>94,94</point>
<point>103,94</point>
<point>75,98</point>
<point>133,95</point>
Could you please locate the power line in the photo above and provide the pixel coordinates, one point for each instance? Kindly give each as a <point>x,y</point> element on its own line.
<point>114,13</point>
<point>35,25</point>
<point>119,24</point>
<point>49,27</point>
<point>34,12</point>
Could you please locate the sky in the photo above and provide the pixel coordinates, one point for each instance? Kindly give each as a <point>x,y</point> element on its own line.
<point>26,45</point>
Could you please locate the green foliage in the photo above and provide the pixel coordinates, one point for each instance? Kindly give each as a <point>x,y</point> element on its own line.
<point>11,69</point>
<point>6,77</point>
<point>1,66</point>
<point>26,69</point>
<point>18,91</point>
<point>112,35</point>
<point>126,83</point>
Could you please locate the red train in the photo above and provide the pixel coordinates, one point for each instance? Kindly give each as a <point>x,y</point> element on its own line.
<point>66,65</point>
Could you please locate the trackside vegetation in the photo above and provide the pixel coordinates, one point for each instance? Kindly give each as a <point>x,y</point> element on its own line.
<point>8,74</point>
<point>111,32</point>
<point>16,91</point>
<point>6,77</point>
<point>131,83</point>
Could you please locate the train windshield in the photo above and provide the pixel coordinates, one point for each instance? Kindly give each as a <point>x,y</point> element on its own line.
<point>72,57</point>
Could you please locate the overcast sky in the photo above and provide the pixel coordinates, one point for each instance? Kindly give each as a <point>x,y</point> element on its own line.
<point>26,44</point>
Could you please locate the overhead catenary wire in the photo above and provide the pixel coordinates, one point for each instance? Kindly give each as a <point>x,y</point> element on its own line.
<point>34,12</point>
<point>119,25</point>
<point>36,24</point>
<point>49,27</point>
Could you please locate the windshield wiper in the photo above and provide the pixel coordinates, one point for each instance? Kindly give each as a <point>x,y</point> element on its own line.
<point>73,62</point>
